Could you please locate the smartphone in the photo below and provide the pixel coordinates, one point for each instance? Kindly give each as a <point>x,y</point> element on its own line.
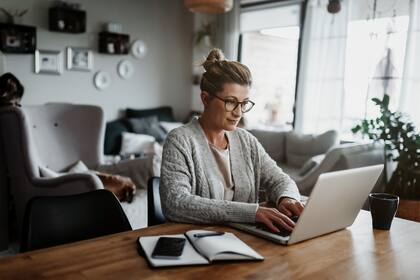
<point>168,248</point>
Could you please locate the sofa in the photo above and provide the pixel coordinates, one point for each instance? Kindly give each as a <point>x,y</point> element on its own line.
<point>144,121</point>
<point>305,157</point>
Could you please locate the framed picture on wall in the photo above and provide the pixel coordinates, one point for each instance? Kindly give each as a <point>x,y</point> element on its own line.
<point>79,59</point>
<point>48,62</point>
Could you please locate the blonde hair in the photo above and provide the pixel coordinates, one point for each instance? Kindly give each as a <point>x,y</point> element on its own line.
<point>220,71</point>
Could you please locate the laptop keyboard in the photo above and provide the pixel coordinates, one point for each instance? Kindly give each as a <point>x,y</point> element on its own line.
<point>282,232</point>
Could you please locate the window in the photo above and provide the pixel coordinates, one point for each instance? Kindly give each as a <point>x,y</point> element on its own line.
<point>269,47</point>
<point>375,52</point>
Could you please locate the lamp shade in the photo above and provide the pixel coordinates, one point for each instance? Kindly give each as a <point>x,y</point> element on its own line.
<point>209,6</point>
<point>334,6</point>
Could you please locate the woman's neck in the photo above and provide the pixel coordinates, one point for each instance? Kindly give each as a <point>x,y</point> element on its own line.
<point>214,135</point>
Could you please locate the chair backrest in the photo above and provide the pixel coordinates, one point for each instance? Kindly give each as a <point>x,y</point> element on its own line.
<point>65,133</point>
<point>55,220</point>
<point>154,209</point>
<point>4,201</point>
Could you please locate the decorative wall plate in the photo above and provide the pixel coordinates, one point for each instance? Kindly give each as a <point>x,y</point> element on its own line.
<point>125,69</point>
<point>139,49</point>
<point>102,80</point>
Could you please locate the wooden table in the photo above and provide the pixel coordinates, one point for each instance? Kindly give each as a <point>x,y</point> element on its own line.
<point>355,253</point>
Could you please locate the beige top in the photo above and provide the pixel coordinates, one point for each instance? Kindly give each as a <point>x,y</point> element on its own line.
<point>223,162</point>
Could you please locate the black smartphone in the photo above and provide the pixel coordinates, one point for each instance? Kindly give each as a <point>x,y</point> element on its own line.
<point>168,248</point>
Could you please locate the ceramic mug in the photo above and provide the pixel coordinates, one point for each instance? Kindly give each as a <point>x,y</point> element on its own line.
<point>383,207</point>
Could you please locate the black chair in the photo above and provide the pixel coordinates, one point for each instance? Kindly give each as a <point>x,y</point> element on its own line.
<point>55,220</point>
<point>154,209</point>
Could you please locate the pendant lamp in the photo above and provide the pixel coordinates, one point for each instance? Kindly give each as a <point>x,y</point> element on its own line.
<point>334,6</point>
<point>209,6</point>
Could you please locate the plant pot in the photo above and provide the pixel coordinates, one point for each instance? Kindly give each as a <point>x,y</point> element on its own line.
<point>405,182</point>
<point>409,209</point>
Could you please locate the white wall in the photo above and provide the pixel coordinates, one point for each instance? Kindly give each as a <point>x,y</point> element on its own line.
<point>163,77</point>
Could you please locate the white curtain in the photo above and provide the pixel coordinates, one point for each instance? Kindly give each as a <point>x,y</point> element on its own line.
<point>410,91</point>
<point>329,96</point>
<point>321,76</point>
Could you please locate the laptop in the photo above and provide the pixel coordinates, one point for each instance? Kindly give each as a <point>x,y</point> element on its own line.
<point>334,204</point>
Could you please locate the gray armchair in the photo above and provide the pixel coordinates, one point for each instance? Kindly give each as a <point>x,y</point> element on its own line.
<point>51,135</point>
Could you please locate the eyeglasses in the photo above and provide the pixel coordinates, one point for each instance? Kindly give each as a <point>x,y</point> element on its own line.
<point>231,104</point>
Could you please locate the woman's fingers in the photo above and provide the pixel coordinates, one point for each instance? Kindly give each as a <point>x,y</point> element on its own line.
<point>285,211</point>
<point>294,208</point>
<point>273,219</point>
<point>270,225</point>
<point>290,207</point>
<point>284,222</point>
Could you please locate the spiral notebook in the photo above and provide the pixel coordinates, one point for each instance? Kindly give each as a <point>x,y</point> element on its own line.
<point>200,251</point>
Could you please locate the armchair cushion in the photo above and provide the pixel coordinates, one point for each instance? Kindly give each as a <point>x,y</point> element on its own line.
<point>301,147</point>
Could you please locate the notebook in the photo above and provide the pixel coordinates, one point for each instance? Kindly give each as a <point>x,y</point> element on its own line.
<point>201,251</point>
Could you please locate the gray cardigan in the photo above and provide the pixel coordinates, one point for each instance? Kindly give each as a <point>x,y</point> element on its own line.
<point>189,174</point>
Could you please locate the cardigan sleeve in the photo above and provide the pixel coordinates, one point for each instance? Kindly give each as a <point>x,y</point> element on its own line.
<point>179,204</point>
<point>277,183</point>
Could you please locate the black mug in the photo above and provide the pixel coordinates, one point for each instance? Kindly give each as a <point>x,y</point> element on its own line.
<point>383,207</point>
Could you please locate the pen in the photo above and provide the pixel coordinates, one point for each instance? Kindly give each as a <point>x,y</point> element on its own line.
<point>206,234</point>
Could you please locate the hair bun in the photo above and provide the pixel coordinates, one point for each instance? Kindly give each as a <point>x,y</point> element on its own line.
<point>214,56</point>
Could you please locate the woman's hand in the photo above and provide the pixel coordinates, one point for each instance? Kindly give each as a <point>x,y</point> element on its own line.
<point>273,219</point>
<point>290,207</point>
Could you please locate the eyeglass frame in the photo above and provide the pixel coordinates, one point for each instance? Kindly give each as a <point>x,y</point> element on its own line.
<point>237,103</point>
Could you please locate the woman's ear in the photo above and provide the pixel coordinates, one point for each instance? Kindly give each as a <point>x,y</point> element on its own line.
<point>205,96</point>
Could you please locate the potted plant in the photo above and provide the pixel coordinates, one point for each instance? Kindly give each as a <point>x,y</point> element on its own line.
<point>401,145</point>
<point>204,34</point>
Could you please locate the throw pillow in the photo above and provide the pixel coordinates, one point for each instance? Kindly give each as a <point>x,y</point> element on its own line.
<point>163,113</point>
<point>113,130</point>
<point>149,126</point>
<point>301,147</point>
<point>273,143</point>
<point>78,167</point>
<point>48,173</point>
<point>311,164</point>
<point>133,143</point>
<point>168,126</point>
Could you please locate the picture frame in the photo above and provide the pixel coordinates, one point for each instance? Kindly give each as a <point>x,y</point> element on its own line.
<point>48,62</point>
<point>79,59</point>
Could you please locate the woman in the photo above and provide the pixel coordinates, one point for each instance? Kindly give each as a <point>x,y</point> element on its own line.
<point>212,171</point>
